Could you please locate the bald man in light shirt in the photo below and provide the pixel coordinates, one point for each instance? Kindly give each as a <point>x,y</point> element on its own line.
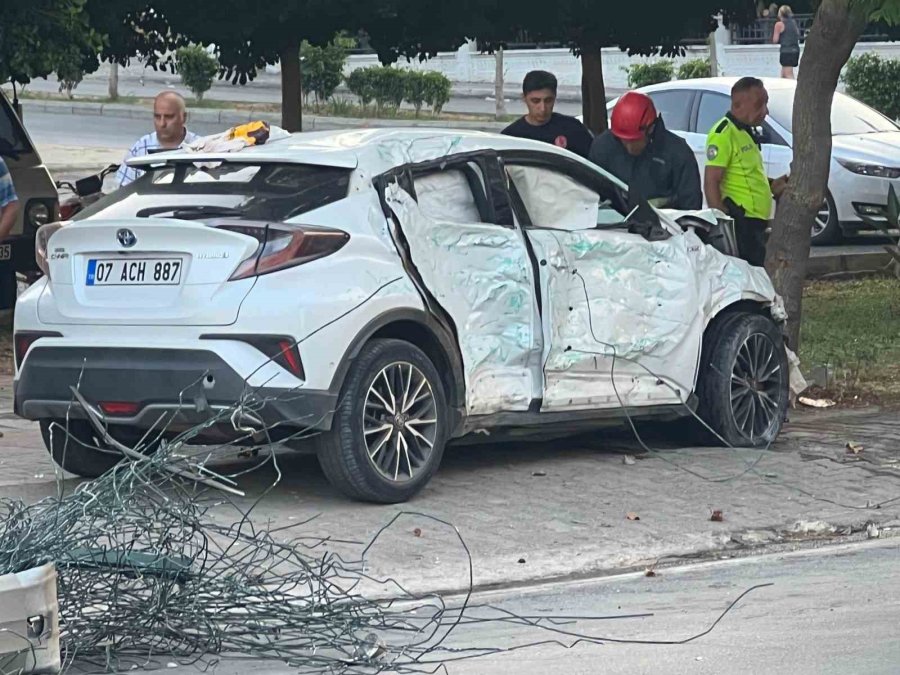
<point>169,118</point>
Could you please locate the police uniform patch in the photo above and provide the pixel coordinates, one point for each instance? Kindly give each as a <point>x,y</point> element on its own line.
<point>712,152</point>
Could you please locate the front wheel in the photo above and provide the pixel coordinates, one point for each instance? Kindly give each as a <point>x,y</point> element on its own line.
<point>390,425</point>
<point>826,228</point>
<point>743,383</point>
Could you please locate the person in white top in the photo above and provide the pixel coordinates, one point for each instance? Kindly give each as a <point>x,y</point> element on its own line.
<point>169,118</point>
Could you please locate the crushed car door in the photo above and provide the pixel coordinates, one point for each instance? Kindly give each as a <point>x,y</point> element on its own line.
<point>472,259</point>
<point>622,317</point>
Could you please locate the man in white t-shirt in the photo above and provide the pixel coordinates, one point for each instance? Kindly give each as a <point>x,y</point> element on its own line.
<point>169,118</point>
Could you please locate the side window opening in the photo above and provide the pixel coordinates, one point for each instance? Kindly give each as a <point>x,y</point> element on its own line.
<point>554,200</point>
<point>455,195</point>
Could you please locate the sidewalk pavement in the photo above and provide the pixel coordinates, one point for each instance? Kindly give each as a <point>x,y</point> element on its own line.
<point>559,509</point>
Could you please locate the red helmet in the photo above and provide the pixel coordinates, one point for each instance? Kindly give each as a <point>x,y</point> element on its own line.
<point>632,116</point>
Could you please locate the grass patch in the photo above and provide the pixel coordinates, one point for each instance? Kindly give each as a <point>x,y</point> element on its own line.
<point>853,328</point>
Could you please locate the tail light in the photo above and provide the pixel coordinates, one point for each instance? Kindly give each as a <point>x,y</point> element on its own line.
<point>282,246</point>
<point>23,341</point>
<point>280,349</point>
<point>68,209</point>
<point>42,246</point>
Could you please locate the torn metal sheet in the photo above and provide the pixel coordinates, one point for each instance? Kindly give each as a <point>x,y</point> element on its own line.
<point>626,315</point>
<point>481,275</point>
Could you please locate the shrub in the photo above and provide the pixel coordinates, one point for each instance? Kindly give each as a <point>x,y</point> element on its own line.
<point>390,87</point>
<point>691,70</point>
<point>438,88</point>
<point>416,89</point>
<point>323,68</point>
<point>873,80</point>
<point>362,83</point>
<point>198,69</point>
<point>643,74</point>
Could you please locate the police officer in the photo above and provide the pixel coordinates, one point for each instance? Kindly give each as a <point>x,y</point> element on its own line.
<point>735,177</point>
<point>657,165</point>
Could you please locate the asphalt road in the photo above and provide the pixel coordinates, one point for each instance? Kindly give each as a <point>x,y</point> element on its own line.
<point>829,611</point>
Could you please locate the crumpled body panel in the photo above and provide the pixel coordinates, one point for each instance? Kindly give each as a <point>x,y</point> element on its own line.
<point>480,274</point>
<point>626,315</point>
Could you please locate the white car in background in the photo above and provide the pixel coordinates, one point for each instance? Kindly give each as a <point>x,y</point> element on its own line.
<point>865,158</point>
<point>389,290</point>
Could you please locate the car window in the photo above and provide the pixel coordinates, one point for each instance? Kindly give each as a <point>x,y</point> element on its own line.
<point>713,107</point>
<point>265,191</point>
<point>848,116</point>
<point>448,196</point>
<point>13,140</point>
<point>674,106</point>
<point>555,200</point>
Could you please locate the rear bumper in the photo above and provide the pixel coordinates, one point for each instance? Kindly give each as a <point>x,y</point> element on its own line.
<point>177,387</point>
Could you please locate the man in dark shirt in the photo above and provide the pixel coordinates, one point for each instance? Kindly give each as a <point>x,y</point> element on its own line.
<point>657,165</point>
<point>541,123</point>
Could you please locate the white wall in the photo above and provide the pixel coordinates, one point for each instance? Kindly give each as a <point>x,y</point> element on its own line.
<point>467,65</point>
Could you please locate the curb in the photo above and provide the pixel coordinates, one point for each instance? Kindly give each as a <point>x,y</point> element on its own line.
<point>846,263</point>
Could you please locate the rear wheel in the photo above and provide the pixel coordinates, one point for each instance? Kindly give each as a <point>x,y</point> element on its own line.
<point>743,383</point>
<point>77,448</point>
<point>390,425</point>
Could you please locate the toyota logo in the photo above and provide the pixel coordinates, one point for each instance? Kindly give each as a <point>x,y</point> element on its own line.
<point>126,238</point>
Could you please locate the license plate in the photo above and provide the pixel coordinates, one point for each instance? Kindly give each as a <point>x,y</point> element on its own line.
<point>134,272</point>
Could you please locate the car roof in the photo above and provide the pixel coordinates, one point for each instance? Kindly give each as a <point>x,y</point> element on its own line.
<point>721,84</point>
<point>374,150</point>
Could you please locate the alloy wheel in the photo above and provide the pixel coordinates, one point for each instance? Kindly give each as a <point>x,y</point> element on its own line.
<point>823,217</point>
<point>756,383</point>
<point>400,422</point>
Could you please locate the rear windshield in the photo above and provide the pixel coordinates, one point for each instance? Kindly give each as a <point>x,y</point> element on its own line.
<point>193,190</point>
<point>13,141</point>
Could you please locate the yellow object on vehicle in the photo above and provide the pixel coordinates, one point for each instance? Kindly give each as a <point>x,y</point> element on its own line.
<point>253,133</point>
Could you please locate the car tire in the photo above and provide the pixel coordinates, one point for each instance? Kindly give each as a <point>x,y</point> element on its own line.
<point>377,450</point>
<point>827,229</point>
<point>75,446</point>
<point>744,379</point>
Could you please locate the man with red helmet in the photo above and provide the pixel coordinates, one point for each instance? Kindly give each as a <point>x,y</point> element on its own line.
<point>657,165</point>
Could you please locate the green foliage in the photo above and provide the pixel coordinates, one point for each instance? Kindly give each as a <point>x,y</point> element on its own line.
<point>198,69</point>
<point>362,82</point>
<point>644,74</point>
<point>438,88</point>
<point>38,37</point>
<point>693,69</point>
<point>873,80</point>
<point>416,89</point>
<point>388,87</point>
<point>323,67</point>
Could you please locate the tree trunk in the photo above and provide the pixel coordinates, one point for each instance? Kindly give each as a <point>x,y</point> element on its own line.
<point>291,91</point>
<point>113,81</point>
<point>829,44</point>
<point>593,90</point>
<point>499,90</point>
<point>713,55</point>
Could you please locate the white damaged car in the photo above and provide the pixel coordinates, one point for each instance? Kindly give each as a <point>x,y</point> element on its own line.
<point>388,291</point>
